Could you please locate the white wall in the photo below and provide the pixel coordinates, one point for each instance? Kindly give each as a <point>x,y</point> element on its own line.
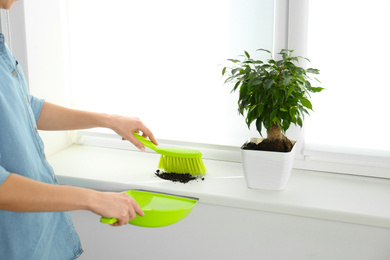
<point>215,232</point>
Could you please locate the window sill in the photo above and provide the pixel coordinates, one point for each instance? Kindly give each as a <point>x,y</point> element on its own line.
<point>335,197</point>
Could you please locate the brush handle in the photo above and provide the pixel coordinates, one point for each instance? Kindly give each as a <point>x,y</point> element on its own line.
<point>146,142</point>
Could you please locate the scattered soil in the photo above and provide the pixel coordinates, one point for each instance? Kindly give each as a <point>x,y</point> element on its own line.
<point>274,145</point>
<point>177,177</point>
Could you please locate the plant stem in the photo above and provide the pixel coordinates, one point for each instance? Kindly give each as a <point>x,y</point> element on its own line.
<point>274,132</point>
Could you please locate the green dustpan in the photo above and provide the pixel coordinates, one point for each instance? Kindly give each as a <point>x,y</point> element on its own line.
<point>160,209</point>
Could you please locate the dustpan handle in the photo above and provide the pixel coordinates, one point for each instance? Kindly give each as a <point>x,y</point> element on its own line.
<point>108,220</point>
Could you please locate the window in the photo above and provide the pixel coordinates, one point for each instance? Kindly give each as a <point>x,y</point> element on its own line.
<point>348,42</point>
<point>161,61</point>
<point>352,53</point>
<point>168,72</point>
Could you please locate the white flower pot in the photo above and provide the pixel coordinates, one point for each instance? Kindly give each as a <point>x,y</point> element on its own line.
<point>267,170</point>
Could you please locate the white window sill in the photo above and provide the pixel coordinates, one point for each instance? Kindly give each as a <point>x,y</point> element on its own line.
<point>336,197</point>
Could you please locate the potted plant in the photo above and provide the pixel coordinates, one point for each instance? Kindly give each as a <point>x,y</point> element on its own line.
<point>273,94</point>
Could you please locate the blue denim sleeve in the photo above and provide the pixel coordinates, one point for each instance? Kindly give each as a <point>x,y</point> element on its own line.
<point>36,106</point>
<point>3,175</point>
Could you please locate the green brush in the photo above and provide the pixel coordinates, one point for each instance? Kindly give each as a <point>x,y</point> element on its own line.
<point>177,160</point>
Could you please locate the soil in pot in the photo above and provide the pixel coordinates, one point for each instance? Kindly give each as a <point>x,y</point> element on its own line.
<point>271,145</point>
<point>177,177</point>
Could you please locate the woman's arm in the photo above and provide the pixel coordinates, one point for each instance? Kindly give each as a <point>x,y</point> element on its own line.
<point>54,117</point>
<point>21,194</point>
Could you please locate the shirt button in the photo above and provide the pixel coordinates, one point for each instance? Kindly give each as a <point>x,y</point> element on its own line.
<point>14,73</point>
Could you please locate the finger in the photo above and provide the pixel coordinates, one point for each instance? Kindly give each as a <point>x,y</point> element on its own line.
<point>147,133</point>
<point>121,222</point>
<point>132,214</point>
<point>136,142</point>
<point>137,208</point>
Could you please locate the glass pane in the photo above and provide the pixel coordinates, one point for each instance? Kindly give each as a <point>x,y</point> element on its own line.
<point>348,42</point>
<point>161,61</point>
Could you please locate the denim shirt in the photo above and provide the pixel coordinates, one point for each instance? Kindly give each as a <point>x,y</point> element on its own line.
<point>33,236</point>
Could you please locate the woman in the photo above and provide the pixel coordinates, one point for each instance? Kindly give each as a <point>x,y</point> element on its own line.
<point>33,219</point>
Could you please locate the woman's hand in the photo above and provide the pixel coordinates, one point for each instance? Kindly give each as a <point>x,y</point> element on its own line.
<point>116,205</point>
<point>126,126</point>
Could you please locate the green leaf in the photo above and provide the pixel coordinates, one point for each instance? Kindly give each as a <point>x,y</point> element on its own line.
<point>316,89</point>
<point>247,69</point>
<point>304,58</point>
<point>286,125</point>
<point>273,114</point>
<point>223,71</point>
<point>264,50</point>
<point>260,109</point>
<point>284,51</point>
<point>250,117</point>
<point>276,120</point>
<point>308,85</point>
<point>268,83</point>
<point>234,60</point>
<point>282,109</point>
<point>313,71</point>
<point>290,90</point>
<point>236,85</point>
<point>290,65</point>
<point>259,126</point>
<point>272,61</point>
<point>292,112</point>
<point>257,82</point>
<point>287,80</point>
<point>306,103</point>
<point>251,108</point>
<point>279,63</point>
<point>234,71</point>
<point>294,120</point>
<point>247,54</point>
<point>300,123</point>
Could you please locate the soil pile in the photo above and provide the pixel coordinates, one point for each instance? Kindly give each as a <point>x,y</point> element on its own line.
<point>177,177</point>
<point>275,145</point>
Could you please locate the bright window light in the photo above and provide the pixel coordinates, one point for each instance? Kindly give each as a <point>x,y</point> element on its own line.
<point>161,61</point>
<point>349,42</point>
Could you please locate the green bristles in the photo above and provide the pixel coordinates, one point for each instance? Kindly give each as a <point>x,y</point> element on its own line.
<point>193,166</point>
<point>177,160</point>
